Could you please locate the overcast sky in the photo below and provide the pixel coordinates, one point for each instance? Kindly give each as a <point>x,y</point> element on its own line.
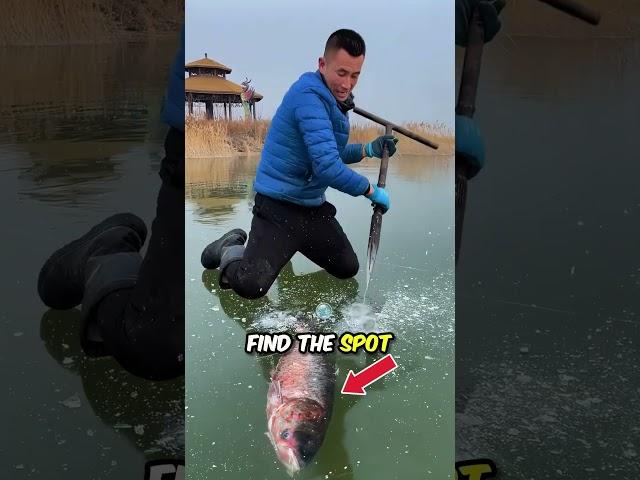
<point>408,73</point>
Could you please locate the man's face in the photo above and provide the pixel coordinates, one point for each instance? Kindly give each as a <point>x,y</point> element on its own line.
<point>341,71</point>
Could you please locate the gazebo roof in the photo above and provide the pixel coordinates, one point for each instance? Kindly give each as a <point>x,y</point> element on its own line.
<point>214,85</point>
<point>206,62</point>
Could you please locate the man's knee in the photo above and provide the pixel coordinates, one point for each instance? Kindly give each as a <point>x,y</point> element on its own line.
<point>250,291</point>
<point>252,278</point>
<point>347,268</point>
<point>155,353</point>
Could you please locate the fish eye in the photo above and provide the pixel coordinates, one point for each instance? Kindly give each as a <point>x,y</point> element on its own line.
<point>285,435</point>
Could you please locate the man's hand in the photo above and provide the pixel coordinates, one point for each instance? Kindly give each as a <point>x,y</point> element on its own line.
<point>469,144</point>
<point>489,10</point>
<point>374,149</point>
<point>379,196</point>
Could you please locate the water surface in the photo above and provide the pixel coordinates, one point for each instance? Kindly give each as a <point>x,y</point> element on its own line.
<point>403,427</point>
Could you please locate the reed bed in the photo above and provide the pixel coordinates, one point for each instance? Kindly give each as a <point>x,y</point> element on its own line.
<point>48,22</point>
<point>222,138</point>
<point>438,132</point>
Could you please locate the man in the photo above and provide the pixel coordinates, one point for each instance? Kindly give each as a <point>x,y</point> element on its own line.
<point>132,308</point>
<point>305,152</point>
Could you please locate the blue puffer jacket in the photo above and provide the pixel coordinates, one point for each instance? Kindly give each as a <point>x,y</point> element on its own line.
<point>306,147</point>
<point>173,103</point>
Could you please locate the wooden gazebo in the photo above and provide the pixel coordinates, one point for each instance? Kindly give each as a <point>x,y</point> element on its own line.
<point>207,83</point>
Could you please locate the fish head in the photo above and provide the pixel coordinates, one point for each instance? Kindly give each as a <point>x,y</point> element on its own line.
<point>296,431</point>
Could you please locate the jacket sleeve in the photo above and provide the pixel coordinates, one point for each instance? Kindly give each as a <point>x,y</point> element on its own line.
<point>317,132</point>
<point>352,153</point>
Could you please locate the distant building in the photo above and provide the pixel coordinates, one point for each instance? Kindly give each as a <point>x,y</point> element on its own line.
<point>207,83</point>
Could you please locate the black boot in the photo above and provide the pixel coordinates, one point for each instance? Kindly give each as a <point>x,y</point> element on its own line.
<point>61,282</point>
<point>104,275</point>
<point>212,254</point>
<point>231,254</point>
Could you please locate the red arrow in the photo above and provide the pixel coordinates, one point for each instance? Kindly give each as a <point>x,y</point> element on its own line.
<point>354,384</point>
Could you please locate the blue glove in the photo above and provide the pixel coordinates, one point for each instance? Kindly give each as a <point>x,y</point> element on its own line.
<point>379,196</point>
<point>374,149</point>
<point>489,11</point>
<point>469,144</point>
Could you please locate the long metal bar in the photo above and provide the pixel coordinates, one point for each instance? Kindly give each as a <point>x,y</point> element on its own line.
<point>576,10</point>
<point>397,128</point>
<point>384,161</point>
<point>376,219</point>
<point>467,106</point>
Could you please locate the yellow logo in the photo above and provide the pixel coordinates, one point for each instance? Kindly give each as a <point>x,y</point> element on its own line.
<point>479,469</point>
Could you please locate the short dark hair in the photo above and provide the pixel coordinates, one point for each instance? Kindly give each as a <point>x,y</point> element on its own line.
<point>347,39</point>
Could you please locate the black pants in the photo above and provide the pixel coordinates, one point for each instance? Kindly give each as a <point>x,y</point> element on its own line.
<point>143,327</point>
<point>279,230</point>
